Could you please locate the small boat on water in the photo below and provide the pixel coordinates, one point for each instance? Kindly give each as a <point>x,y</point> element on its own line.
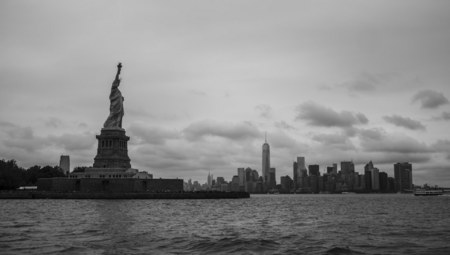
<point>428,192</point>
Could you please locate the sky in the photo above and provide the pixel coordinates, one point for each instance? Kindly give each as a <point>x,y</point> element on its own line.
<point>205,80</point>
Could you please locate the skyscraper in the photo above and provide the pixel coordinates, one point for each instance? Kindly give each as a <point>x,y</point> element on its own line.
<point>210,179</point>
<point>241,175</point>
<point>403,176</point>
<point>301,172</point>
<point>383,181</point>
<point>272,178</point>
<point>295,174</point>
<point>347,167</point>
<point>375,179</point>
<point>266,161</point>
<point>64,164</point>
<point>301,163</point>
<point>368,176</point>
<point>314,170</point>
<point>334,168</point>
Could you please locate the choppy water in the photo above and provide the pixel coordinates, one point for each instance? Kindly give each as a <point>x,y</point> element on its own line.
<point>263,224</point>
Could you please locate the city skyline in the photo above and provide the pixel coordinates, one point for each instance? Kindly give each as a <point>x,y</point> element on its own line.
<point>203,81</point>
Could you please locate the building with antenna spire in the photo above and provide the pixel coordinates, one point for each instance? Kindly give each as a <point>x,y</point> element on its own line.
<point>210,179</point>
<point>266,162</point>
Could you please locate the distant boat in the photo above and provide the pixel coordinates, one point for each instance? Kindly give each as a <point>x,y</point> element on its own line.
<point>428,192</point>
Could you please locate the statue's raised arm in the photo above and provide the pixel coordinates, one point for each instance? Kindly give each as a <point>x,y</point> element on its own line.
<point>116,111</point>
<point>119,67</point>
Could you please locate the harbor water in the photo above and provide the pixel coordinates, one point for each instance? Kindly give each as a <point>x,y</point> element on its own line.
<point>262,224</point>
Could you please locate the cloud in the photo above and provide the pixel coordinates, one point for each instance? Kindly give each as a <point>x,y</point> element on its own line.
<point>442,146</point>
<point>73,142</point>
<point>430,99</point>
<point>53,122</point>
<point>363,83</point>
<point>23,138</point>
<point>434,174</point>
<point>404,122</point>
<point>389,158</point>
<point>283,125</point>
<point>281,140</point>
<point>317,115</point>
<point>264,110</point>
<point>444,116</point>
<point>6,124</point>
<point>377,140</point>
<point>366,82</point>
<point>197,92</point>
<point>337,141</point>
<point>208,128</point>
<point>151,135</point>
<point>194,157</point>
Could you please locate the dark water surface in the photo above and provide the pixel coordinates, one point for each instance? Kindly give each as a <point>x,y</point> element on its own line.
<point>263,224</point>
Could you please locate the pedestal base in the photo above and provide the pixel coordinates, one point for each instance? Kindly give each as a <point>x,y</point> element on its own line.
<point>112,150</point>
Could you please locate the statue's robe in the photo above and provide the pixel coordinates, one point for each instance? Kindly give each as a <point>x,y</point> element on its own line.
<point>116,111</point>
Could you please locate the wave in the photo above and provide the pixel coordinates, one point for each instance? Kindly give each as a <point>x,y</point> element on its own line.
<point>341,250</point>
<point>233,245</point>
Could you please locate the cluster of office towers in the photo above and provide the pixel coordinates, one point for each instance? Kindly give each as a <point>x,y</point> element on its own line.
<point>308,179</point>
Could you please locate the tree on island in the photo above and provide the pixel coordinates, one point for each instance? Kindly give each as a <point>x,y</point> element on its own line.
<point>79,169</point>
<point>13,176</point>
<point>35,172</point>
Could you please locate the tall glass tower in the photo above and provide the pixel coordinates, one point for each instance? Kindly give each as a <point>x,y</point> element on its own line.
<point>266,161</point>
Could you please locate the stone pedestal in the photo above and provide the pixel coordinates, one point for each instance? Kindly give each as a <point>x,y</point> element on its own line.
<point>112,150</point>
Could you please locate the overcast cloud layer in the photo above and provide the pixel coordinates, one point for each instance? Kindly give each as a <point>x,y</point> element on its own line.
<point>204,81</point>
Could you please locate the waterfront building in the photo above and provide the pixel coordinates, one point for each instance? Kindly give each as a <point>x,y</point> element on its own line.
<point>255,176</point>
<point>375,179</point>
<point>356,181</point>
<point>321,183</point>
<point>347,167</point>
<point>210,180</point>
<point>287,184</point>
<point>368,166</point>
<point>272,178</point>
<point>220,180</point>
<point>301,163</point>
<point>295,174</point>
<point>251,178</point>
<point>301,173</point>
<point>314,183</point>
<point>234,184</point>
<point>241,175</point>
<point>248,174</point>
<point>334,168</point>
<point>383,177</point>
<point>224,187</point>
<point>368,176</point>
<point>347,175</point>
<point>403,176</point>
<point>314,170</point>
<point>330,169</point>
<point>362,182</point>
<point>391,184</point>
<point>64,164</point>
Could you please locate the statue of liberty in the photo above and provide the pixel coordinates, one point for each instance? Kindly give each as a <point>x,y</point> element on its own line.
<point>116,111</point>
